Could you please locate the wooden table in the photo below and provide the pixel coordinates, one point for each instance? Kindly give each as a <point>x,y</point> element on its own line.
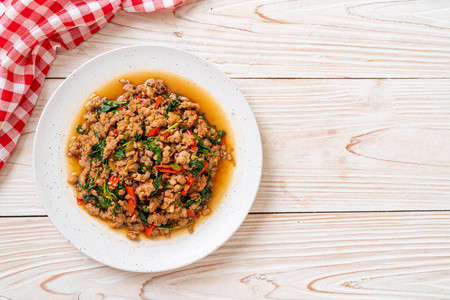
<point>353,102</point>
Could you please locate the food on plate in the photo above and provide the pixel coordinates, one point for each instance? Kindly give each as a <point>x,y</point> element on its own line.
<point>147,159</point>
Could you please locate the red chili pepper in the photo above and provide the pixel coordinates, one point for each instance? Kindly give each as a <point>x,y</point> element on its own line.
<point>153,132</point>
<point>138,96</point>
<point>190,213</point>
<point>165,174</point>
<point>132,200</point>
<point>166,134</point>
<point>168,169</point>
<point>223,140</point>
<point>184,192</point>
<point>197,215</point>
<point>134,216</point>
<point>120,107</point>
<point>80,201</point>
<point>116,131</point>
<point>148,230</point>
<point>114,180</point>
<point>158,101</point>
<point>193,147</point>
<point>101,165</point>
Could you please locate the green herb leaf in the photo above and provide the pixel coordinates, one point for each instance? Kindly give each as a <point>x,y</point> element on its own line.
<point>156,184</point>
<point>141,168</point>
<point>197,167</point>
<point>143,217</point>
<point>116,208</point>
<point>171,107</point>
<point>109,105</point>
<point>143,136</point>
<point>80,130</point>
<point>165,227</point>
<point>175,167</point>
<point>217,141</point>
<point>154,148</point>
<point>167,186</point>
<point>174,227</point>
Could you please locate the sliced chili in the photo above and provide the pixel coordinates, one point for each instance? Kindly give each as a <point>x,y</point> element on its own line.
<point>158,101</point>
<point>132,200</point>
<point>190,212</point>
<point>134,216</point>
<point>138,96</point>
<point>166,134</point>
<point>193,147</point>
<point>114,180</point>
<point>148,230</point>
<point>168,169</point>
<point>80,201</point>
<point>191,182</point>
<point>153,132</point>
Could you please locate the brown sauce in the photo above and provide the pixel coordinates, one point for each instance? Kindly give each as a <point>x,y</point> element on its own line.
<point>176,83</point>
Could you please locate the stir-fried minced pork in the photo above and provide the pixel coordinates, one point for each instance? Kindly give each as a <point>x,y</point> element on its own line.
<point>147,159</point>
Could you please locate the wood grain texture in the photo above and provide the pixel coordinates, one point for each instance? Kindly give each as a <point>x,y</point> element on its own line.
<point>329,145</point>
<point>308,256</point>
<point>278,38</point>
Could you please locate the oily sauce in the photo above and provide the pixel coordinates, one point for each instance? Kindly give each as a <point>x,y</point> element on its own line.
<point>176,83</point>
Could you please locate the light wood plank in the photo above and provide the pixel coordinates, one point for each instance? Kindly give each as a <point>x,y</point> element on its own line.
<point>329,145</point>
<point>274,38</point>
<point>296,256</point>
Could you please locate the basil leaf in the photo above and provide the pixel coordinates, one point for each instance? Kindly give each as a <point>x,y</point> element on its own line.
<point>171,107</point>
<point>197,167</point>
<point>80,130</point>
<point>156,184</point>
<point>109,105</point>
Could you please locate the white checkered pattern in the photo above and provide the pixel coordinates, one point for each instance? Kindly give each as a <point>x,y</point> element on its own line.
<point>30,32</point>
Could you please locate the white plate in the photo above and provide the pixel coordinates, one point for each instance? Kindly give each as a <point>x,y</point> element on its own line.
<point>92,237</point>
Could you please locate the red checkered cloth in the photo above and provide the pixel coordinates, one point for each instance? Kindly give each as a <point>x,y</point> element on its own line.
<point>30,32</point>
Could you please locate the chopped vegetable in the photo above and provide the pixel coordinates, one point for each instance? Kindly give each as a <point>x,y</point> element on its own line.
<point>193,147</point>
<point>169,169</point>
<point>174,227</point>
<point>148,230</point>
<point>154,148</point>
<point>158,101</point>
<point>190,212</point>
<point>132,200</point>
<point>114,180</point>
<point>80,202</point>
<point>191,182</point>
<point>156,184</point>
<point>197,166</point>
<point>171,107</point>
<point>80,130</point>
<point>175,167</point>
<point>129,147</point>
<point>218,138</point>
<point>141,137</point>
<point>109,105</point>
<point>120,153</point>
<point>97,149</point>
<point>153,132</point>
